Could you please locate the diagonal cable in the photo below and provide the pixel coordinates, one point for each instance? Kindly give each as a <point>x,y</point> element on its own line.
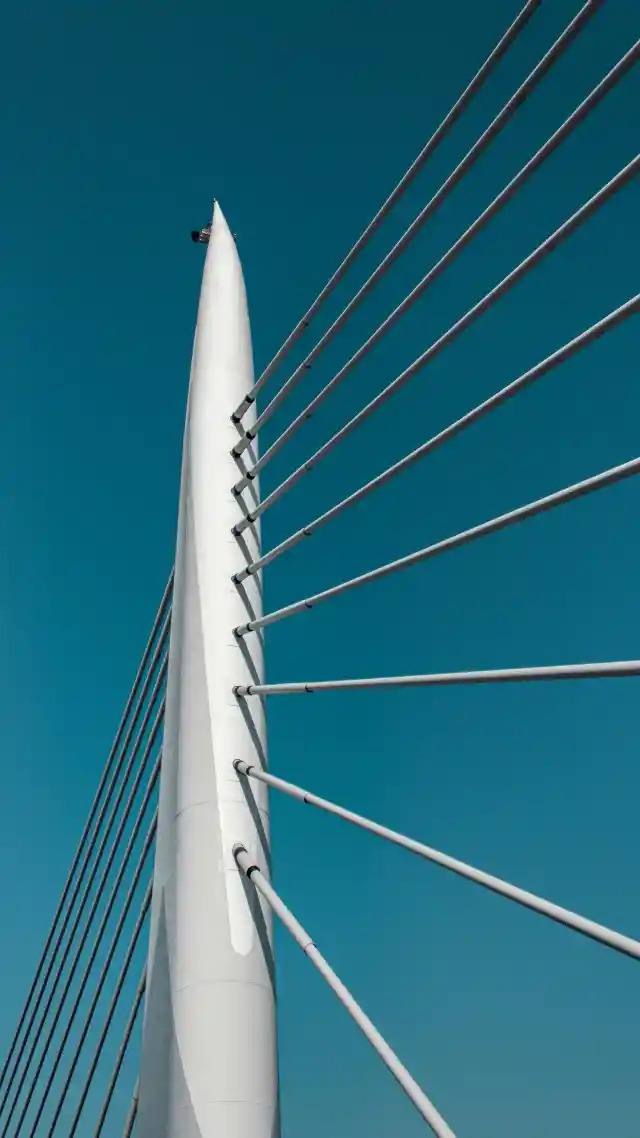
<point>85,834</point>
<point>614,76</point>
<point>502,521</point>
<point>615,669</point>
<point>159,649</point>
<point>500,121</point>
<point>117,1067</point>
<point>560,356</point>
<point>406,1081</point>
<point>552,242</point>
<point>126,964</point>
<point>94,907</point>
<point>436,138</point>
<point>624,944</point>
<point>94,952</point>
<point>131,1116</point>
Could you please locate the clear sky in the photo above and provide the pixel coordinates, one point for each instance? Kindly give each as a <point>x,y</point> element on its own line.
<point>121,122</point>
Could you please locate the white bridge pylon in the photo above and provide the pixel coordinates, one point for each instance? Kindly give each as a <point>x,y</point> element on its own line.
<point>209,1056</point>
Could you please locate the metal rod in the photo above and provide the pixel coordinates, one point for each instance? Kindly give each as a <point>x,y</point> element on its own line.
<point>93,954</point>
<point>454,114</point>
<point>92,814</point>
<point>548,246</point>
<point>92,913</point>
<point>301,936</point>
<point>148,841</point>
<point>579,114</point>
<point>566,352</point>
<point>503,521</point>
<point>88,853</point>
<point>117,991</point>
<point>115,1074</point>
<point>592,929</point>
<point>85,896</point>
<point>499,122</point>
<point>131,1116</point>
<point>609,670</point>
<point>115,940</point>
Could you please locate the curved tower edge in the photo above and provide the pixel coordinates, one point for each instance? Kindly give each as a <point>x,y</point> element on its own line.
<point>209,1054</point>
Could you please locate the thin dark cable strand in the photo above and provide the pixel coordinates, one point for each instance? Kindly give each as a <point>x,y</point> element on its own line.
<point>101,929</point>
<point>101,886</point>
<point>487,301</point>
<point>85,896</point>
<point>108,959</point>
<point>83,899</point>
<point>94,950</point>
<point>115,940</point>
<point>426,152</point>
<point>92,813</point>
<point>131,1116</point>
<point>117,1067</point>
<point>503,521</point>
<point>566,352</point>
<point>106,1025</point>
<point>500,121</point>
<point>614,76</point>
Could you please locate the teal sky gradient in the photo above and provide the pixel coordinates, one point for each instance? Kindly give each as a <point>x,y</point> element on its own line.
<point>121,123</point>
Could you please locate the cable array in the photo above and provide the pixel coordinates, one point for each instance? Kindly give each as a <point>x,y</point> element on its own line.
<point>615,75</point>
<point>110,877</point>
<point>540,70</point>
<point>474,313</point>
<point>253,508</point>
<point>503,521</point>
<point>425,154</point>
<point>102,875</point>
<point>566,352</point>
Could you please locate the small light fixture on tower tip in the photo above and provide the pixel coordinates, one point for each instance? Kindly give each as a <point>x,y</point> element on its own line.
<point>201,236</point>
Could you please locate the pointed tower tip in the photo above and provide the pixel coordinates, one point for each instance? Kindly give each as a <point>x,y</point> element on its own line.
<point>217,224</point>
<point>219,221</point>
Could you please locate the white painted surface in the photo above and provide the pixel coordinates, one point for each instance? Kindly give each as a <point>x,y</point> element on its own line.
<point>208,1067</point>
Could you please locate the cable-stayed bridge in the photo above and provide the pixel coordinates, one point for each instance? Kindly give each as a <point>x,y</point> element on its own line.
<point>160,955</point>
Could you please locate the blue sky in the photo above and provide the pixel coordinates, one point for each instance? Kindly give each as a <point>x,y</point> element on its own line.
<point>121,123</point>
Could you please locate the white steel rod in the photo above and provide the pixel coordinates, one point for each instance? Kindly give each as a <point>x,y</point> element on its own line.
<point>107,802</point>
<point>102,883</point>
<point>415,1093</point>
<point>122,1050</point>
<point>592,929</point>
<point>566,352</point>
<point>436,138</point>
<point>92,815</point>
<point>210,999</point>
<point>498,123</point>
<point>579,114</point>
<point>496,293</point>
<point>503,521</point>
<point>614,669</point>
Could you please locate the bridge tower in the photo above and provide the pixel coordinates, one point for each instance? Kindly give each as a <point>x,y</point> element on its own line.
<point>208,1063</point>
